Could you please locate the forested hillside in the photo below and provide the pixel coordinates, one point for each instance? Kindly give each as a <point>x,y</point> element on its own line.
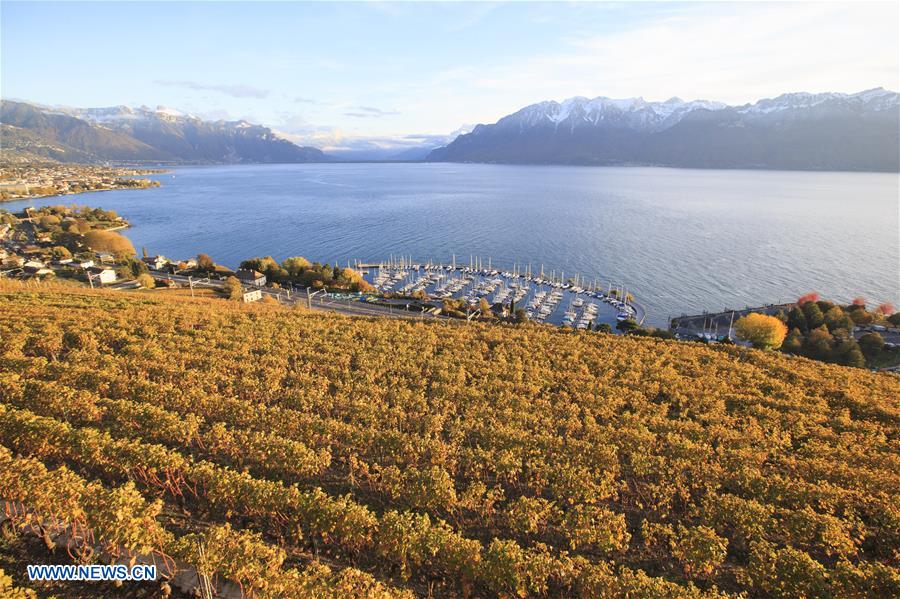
<point>320,455</point>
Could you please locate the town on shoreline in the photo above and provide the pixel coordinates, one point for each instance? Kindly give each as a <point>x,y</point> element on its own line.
<point>26,181</point>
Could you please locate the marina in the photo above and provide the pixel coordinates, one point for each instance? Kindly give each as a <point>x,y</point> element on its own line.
<point>546,297</point>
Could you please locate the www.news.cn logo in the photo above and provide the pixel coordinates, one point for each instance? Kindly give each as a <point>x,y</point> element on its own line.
<point>91,572</point>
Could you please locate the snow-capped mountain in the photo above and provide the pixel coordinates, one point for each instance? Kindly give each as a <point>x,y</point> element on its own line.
<point>632,113</point>
<point>143,134</point>
<point>872,100</point>
<point>796,131</point>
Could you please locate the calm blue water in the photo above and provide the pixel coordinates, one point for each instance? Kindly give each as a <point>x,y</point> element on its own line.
<point>681,240</point>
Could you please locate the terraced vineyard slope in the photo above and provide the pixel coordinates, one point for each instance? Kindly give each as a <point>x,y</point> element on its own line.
<point>319,455</point>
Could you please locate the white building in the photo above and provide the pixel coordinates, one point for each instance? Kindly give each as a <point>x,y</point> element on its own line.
<point>253,295</point>
<point>104,276</point>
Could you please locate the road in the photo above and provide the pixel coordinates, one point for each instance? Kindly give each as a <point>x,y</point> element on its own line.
<point>318,302</point>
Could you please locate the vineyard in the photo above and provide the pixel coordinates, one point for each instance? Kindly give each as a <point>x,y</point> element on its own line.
<point>297,454</point>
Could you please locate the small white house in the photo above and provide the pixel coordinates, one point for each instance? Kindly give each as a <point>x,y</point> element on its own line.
<point>84,264</point>
<point>101,275</point>
<point>254,295</point>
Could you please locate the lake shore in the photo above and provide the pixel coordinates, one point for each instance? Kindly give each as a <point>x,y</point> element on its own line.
<point>682,241</point>
<point>25,182</point>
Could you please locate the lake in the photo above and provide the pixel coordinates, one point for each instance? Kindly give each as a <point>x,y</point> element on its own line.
<point>681,240</point>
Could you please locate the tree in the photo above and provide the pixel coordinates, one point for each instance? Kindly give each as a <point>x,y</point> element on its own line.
<point>603,327</point>
<point>859,301</point>
<point>871,345</point>
<point>846,350</point>
<point>814,316</point>
<point>836,318</point>
<point>484,306</point>
<point>233,289</point>
<point>205,263</point>
<point>761,331</point>
<point>894,319</point>
<point>854,358</point>
<point>521,315</point>
<point>627,326</point>
<point>793,343</point>
<point>859,315</point>
<point>146,281</point>
<point>108,241</point>
<point>131,268</point>
<point>797,319</point>
<point>812,296</point>
<point>885,309</point>
<point>819,343</point>
<point>825,305</point>
<point>295,265</point>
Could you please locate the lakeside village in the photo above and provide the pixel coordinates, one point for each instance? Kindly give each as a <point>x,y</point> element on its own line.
<point>80,245</point>
<point>19,182</point>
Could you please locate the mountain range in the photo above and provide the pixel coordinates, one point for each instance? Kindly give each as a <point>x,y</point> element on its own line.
<point>802,131</point>
<point>827,131</point>
<point>124,134</point>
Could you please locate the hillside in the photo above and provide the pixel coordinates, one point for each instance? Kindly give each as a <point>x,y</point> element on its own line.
<point>320,455</point>
<point>74,134</point>
<point>21,146</point>
<point>801,131</point>
<point>123,134</point>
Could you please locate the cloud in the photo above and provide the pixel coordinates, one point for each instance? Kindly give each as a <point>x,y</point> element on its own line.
<point>235,91</point>
<point>365,112</point>
<point>732,53</point>
<point>299,100</point>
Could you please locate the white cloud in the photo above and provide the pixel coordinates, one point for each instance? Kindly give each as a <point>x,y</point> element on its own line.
<point>735,53</point>
<point>235,91</point>
<point>370,112</point>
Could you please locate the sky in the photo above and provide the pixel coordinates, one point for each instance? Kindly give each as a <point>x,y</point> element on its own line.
<point>348,75</point>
